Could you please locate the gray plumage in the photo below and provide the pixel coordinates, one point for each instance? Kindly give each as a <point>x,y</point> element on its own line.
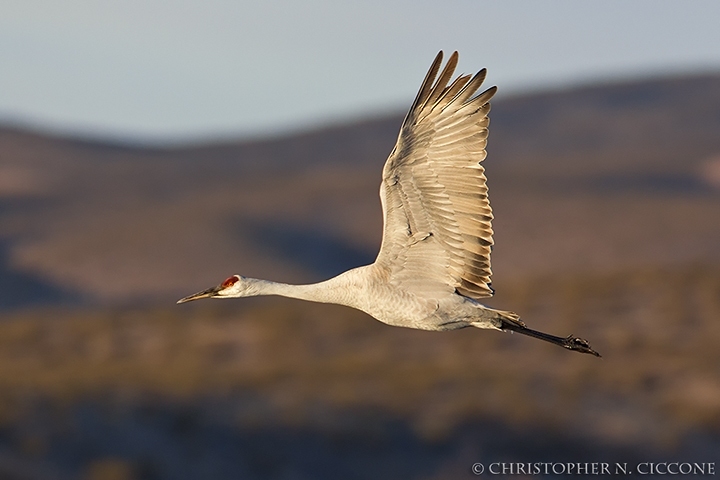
<point>433,267</point>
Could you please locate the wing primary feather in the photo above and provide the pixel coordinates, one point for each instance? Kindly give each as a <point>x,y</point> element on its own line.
<point>452,90</point>
<point>470,88</point>
<point>484,97</point>
<point>442,81</point>
<point>427,83</point>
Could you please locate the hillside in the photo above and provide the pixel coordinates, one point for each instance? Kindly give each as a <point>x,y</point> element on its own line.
<point>593,178</point>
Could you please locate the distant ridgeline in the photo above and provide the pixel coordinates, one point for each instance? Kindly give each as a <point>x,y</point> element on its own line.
<point>592,179</point>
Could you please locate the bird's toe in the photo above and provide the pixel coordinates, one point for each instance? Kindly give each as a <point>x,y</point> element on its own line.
<point>579,345</point>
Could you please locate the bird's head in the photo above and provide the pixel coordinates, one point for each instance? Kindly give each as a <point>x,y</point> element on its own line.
<point>233,287</point>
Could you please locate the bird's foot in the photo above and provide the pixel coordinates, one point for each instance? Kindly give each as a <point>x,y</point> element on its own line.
<point>579,345</point>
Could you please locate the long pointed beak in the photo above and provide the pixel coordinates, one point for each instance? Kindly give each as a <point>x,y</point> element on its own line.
<point>197,296</point>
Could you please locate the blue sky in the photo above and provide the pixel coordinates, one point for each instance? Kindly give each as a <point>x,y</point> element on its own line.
<point>183,70</point>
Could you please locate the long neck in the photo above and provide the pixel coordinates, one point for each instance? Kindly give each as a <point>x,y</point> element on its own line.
<point>340,289</point>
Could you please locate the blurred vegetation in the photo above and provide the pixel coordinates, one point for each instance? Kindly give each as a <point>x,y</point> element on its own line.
<point>289,364</point>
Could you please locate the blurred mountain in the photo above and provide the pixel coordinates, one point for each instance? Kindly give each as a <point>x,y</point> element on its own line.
<point>590,179</point>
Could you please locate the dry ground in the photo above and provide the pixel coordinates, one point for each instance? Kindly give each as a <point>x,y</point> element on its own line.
<point>288,371</point>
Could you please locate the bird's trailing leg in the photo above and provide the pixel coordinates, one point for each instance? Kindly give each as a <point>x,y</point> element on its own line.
<point>570,342</point>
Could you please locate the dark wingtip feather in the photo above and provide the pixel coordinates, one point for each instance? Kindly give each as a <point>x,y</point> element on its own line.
<point>428,82</point>
<point>438,89</point>
<point>489,93</point>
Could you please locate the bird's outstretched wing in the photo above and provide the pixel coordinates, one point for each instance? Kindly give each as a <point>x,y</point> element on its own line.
<point>437,218</point>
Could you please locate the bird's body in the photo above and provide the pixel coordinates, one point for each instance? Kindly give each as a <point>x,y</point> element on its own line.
<point>364,289</point>
<point>433,267</point>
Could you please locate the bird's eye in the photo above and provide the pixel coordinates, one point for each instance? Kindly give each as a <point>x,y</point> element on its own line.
<point>229,282</point>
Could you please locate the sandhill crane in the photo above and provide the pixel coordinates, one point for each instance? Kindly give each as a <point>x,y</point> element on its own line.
<point>434,262</point>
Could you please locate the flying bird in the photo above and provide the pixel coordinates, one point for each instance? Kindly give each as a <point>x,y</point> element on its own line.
<point>433,268</point>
